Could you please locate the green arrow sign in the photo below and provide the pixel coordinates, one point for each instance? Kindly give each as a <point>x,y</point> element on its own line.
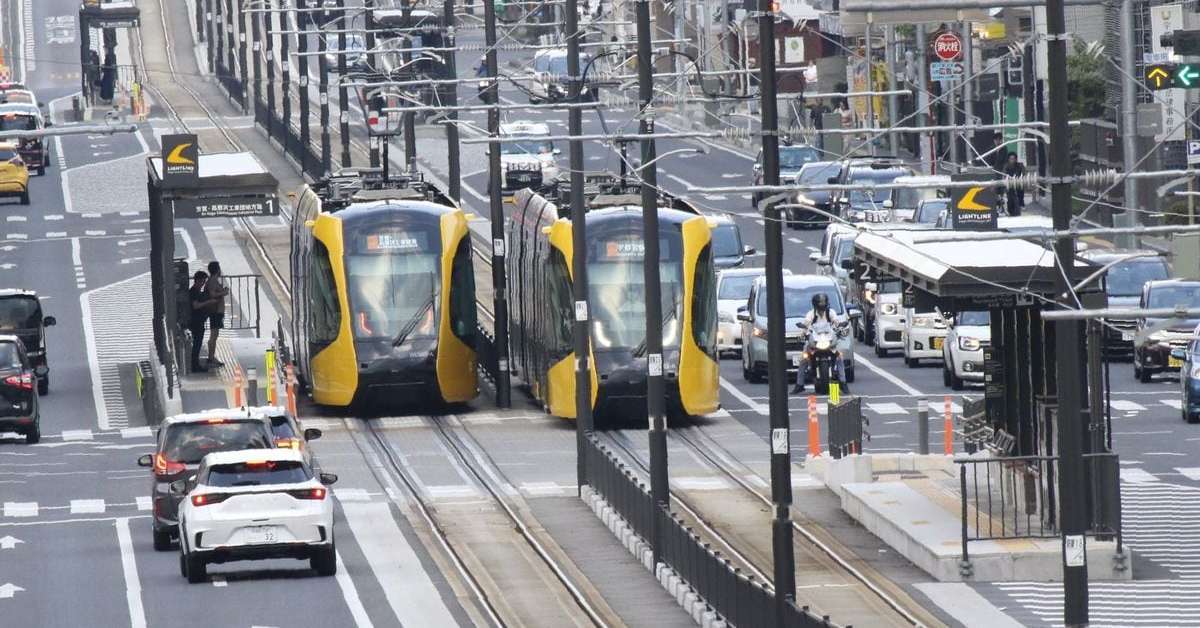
<point>1188,75</point>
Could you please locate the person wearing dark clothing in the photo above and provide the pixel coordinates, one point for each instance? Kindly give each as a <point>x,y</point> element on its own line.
<point>201,303</point>
<point>998,159</point>
<point>217,291</point>
<point>1016,198</point>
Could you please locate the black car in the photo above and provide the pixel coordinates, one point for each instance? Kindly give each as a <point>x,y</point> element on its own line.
<point>1128,272</point>
<point>18,403</point>
<point>866,205</point>
<point>813,208</point>
<point>183,441</point>
<point>1155,340</point>
<point>792,157</point>
<point>21,315</point>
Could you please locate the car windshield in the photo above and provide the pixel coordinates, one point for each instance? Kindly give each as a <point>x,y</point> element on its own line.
<point>20,313</point>
<point>910,198</point>
<point>190,442</point>
<point>892,286</point>
<point>17,122</point>
<point>1127,278</point>
<point>258,473</point>
<point>736,288</point>
<point>10,358</point>
<point>558,65</point>
<point>281,427</point>
<point>527,147</point>
<point>844,250</point>
<point>929,211</point>
<point>794,157</point>
<point>976,319</point>
<point>819,173</point>
<point>797,301</point>
<point>876,177</point>
<point>726,240</point>
<point>1186,295</point>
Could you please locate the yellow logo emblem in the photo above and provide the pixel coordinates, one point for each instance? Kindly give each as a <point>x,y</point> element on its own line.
<point>969,203</point>
<point>176,155</point>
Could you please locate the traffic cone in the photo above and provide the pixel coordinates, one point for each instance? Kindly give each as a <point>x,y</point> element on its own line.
<point>291,390</point>
<point>237,386</point>
<point>814,428</point>
<point>948,426</point>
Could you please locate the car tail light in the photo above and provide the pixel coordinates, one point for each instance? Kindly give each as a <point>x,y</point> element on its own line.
<point>163,466</point>
<point>208,499</point>
<point>309,493</point>
<point>20,381</point>
<point>288,443</point>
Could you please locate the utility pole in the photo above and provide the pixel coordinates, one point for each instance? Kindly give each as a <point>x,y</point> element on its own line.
<point>302,63</point>
<point>343,91</point>
<point>1067,334</point>
<point>581,331</point>
<point>286,65</point>
<point>256,48</point>
<point>968,92</point>
<point>323,101</point>
<point>870,81</point>
<point>781,455</point>
<point>655,392</point>
<point>449,96</point>
<point>889,57</point>
<point>227,23</point>
<point>210,26</point>
<point>243,61</point>
<point>1128,218</point>
<point>499,287</point>
<point>270,63</point>
<point>923,148</point>
<point>409,117</point>
<point>372,63</point>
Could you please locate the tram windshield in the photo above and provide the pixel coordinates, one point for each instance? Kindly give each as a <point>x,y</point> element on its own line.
<point>393,284</point>
<point>617,289</point>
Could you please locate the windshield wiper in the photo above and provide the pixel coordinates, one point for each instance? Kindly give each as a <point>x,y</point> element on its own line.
<point>412,322</point>
<point>640,349</point>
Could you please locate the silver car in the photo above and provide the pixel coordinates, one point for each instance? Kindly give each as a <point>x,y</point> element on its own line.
<point>962,353</point>
<point>798,292</point>
<point>733,292</point>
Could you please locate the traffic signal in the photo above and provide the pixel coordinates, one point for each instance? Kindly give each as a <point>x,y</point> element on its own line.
<point>1183,42</point>
<point>1015,72</point>
<point>1172,76</point>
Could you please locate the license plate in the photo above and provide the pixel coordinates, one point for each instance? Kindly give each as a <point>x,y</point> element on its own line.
<point>261,534</point>
<point>795,359</point>
<point>524,178</point>
<point>937,342</point>
<point>1127,336</point>
<point>1174,363</point>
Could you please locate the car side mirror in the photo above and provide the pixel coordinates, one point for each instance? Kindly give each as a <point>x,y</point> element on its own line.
<point>814,256</point>
<point>757,168</point>
<point>743,313</point>
<point>179,487</point>
<point>847,264</point>
<point>888,204</point>
<point>557,151</point>
<point>312,433</point>
<point>832,180</point>
<point>748,250</point>
<point>822,260</point>
<point>49,321</point>
<point>328,478</point>
<point>1178,353</point>
<point>145,460</point>
<point>854,312</point>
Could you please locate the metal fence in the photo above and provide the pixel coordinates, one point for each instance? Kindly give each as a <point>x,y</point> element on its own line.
<point>1015,497</point>
<point>243,308</point>
<point>738,597</point>
<point>846,427</point>
<point>485,351</point>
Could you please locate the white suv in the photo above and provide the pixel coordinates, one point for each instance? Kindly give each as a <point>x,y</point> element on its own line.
<point>888,318</point>
<point>962,353</point>
<point>924,335</point>
<point>527,158</point>
<point>255,504</point>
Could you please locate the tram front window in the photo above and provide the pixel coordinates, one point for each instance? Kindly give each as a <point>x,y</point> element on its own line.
<point>618,297</point>
<point>393,293</point>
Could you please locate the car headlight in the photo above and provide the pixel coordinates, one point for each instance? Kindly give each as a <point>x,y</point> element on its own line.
<point>968,344</point>
<point>803,200</point>
<point>888,309</point>
<point>759,332</point>
<point>922,321</point>
<point>1158,336</point>
<point>725,317</point>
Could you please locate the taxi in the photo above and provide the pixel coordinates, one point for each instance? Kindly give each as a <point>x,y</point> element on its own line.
<point>14,176</point>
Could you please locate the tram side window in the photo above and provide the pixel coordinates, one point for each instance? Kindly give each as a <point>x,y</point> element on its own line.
<point>462,294</point>
<point>324,315</point>
<point>562,304</point>
<point>704,303</point>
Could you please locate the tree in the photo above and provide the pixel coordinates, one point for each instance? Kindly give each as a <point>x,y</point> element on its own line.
<point>1085,80</point>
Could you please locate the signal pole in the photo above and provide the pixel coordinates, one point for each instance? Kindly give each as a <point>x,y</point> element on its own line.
<point>655,392</point>
<point>343,92</point>
<point>372,59</point>
<point>581,330</point>
<point>500,288</point>
<point>781,455</point>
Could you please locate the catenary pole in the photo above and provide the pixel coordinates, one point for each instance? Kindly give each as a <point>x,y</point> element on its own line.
<point>372,62</point>
<point>323,103</point>
<point>286,79</point>
<point>496,204</point>
<point>923,147</point>
<point>302,68</point>
<point>889,56</point>
<point>343,90</point>
<point>1129,145</point>
<point>655,395</point>
<point>968,91</point>
<point>1067,334</point>
<point>449,97</point>
<point>781,455</point>
<point>579,285</point>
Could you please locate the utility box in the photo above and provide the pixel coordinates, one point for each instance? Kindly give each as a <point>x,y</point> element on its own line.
<point>1185,255</point>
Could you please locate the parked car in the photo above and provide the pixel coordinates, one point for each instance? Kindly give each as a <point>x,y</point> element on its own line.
<point>1154,339</point>
<point>19,409</point>
<point>792,158</point>
<point>182,442</point>
<point>1189,378</point>
<point>728,250</point>
<point>798,291</point>
<point>962,352</point>
<point>550,72</point>
<point>820,201</point>
<point>254,505</point>
<point>21,315</point>
<point>733,292</point>
<point>1123,282</point>
<point>924,335</point>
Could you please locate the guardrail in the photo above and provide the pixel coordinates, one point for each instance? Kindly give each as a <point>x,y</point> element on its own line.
<point>846,427</point>
<point>243,308</point>
<point>1014,497</point>
<point>739,598</point>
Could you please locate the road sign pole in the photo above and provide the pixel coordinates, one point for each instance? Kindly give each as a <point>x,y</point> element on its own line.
<point>496,206</point>
<point>581,331</point>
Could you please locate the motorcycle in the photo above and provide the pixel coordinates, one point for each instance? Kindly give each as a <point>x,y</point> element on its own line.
<point>823,361</point>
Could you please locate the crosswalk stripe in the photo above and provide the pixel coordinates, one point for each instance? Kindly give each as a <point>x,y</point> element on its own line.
<point>144,502</point>
<point>1137,475</point>
<point>1174,403</point>
<point>1125,405</point>
<point>20,509</point>
<point>352,494</point>
<point>69,435</point>
<point>887,408</point>
<point>87,506</point>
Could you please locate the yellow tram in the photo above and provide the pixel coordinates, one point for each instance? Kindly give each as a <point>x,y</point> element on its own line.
<point>383,294</point>
<point>542,307</point>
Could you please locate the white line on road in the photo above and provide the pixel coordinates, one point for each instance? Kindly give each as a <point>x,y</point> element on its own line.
<point>1136,475</point>
<point>20,509</point>
<point>680,180</point>
<point>350,594</point>
<point>1191,473</point>
<point>744,398</point>
<point>52,217</point>
<point>56,234</point>
<point>16,219</point>
<point>87,507</point>
<point>133,586</point>
<point>888,376</point>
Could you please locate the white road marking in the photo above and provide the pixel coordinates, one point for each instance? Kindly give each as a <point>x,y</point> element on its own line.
<point>144,502</point>
<point>1125,405</point>
<point>410,593</point>
<point>188,245</point>
<point>87,506</point>
<point>76,258</point>
<point>350,595</point>
<point>77,435</point>
<point>8,542</point>
<point>795,240</point>
<point>680,180</point>
<point>137,432</point>
<point>219,581</point>
<point>133,586</point>
<point>744,398</point>
<point>1174,403</point>
<point>20,509</point>
<point>52,217</point>
<point>1136,475</point>
<point>352,494</point>
<point>887,408</point>
<point>888,376</point>
<point>15,219</point>
<point>17,236</point>
<point>715,197</point>
<point>56,234</point>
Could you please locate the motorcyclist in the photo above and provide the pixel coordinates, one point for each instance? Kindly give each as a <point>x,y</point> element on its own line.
<point>820,312</point>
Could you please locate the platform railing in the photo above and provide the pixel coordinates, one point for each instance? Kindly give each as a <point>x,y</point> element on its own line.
<point>846,427</point>
<point>243,308</point>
